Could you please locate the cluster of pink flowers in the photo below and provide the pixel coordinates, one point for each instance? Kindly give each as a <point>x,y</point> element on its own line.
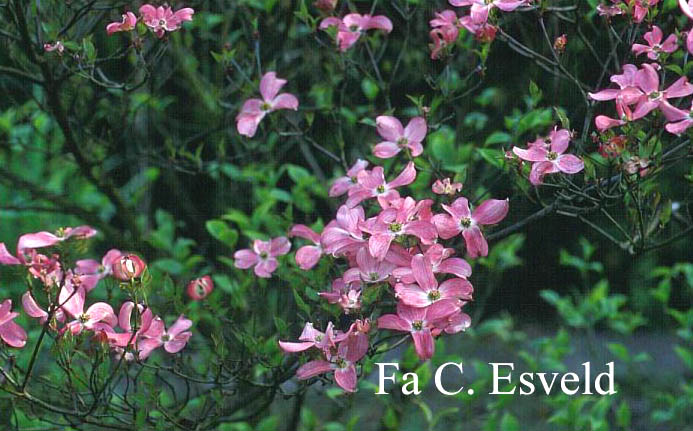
<point>636,9</point>
<point>400,247</point>
<point>352,26</point>
<point>639,93</point>
<point>160,19</point>
<point>445,25</point>
<point>548,156</point>
<point>66,292</point>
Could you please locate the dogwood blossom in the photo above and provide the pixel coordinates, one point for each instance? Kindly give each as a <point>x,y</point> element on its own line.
<point>352,26</point>
<point>398,138</point>
<point>263,256</point>
<point>162,19</point>
<point>254,110</point>
<point>128,23</point>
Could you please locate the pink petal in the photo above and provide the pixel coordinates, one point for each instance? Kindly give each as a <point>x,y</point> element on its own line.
<point>379,22</point>
<point>446,226</point>
<point>423,272</point>
<point>394,322</point>
<point>532,154</point>
<point>389,128</point>
<point>312,369</point>
<point>608,94</point>
<point>247,124</point>
<point>455,266</point>
<point>270,86</point>
<point>346,377</point>
<point>308,256</point>
<point>378,245</point>
<point>31,307</point>
<point>686,8</point>
<point>679,127</point>
<point>36,240</point>
<point>101,311</point>
<point>570,164</point>
<point>265,268</point>
<point>680,88</point>
<point>423,343</point>
<point>285,101</point>
<point>654,36</point>
<point>539,169</point>
<point>457,288</point>
<point>386,149</point>
<point>245,258</point>
<point>295,347</point>
<point>475,242</point>
<point>180,325</point>
<point>13,334</point>
<point>340,186</point>
<point>491,211</point>
<point>440,310</point>
<point>178,343</point>
<point>125,314</point>
<point>672,113</point>
<point>412,295</point>
<point>647,79</point>
<point>560,139</point>
<point>416,129</point>
<point>407,176</point>
<point>279,246</point>
<point>6,258</point>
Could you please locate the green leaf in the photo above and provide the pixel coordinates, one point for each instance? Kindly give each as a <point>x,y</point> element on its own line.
<point>509,423</point>
<point>492,156</point>
<point>498,138</point>
<point>222,232</point>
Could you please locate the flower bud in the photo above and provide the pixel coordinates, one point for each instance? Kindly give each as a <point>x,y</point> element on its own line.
<point>127,267</point>
<point>200,288</point>
<point>325,5</point>
<point>560,43</point>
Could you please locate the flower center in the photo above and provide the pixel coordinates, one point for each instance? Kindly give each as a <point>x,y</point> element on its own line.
<point>84,318</point>
<point>353,180</point>
<point>200,290</point>
<point>265,106</point>
<point>434,295</point>
<point>162,22</point>
<point>395,227</point>
<point>402,142</point>
<point>318,338</point>
<point>341,363</point>
<point>466,222</point>
<point>380,189</point>
<point>165,338</point>
<point>655,95</point>
<point>264,255</point>
<point>417,325</point>
<point>374,276</point>
<point>552,155</point>
<point>353,28</point>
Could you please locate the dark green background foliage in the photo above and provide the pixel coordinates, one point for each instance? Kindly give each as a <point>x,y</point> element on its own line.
<point>141,144</point>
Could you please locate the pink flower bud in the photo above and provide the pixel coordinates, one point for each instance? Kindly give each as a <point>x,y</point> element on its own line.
<point>127,267</point>
<point>325,5</point>
<point>200,288</point>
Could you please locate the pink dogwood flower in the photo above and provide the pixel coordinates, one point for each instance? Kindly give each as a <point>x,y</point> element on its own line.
<point>419,322</point>
<point>128,23</point>
<point>57,47</point>
<point>348,296</point>
<point>393,222</point>
<point>398,138</point>
<point>263,256</point>
<point>369,270</point>
<point>308,255</point>
<point>426,291</point>
<point>341,364</point>
<point>445,30</point>
<point>32,241</point>
<point>311,337</point>
<point>350,28</point>
<point>130,336</point>
<point>686,7</point>
<point>550,158</point>
<point>254,110</point>
<point>480,8</point>
<point>10,332</point>
<point>461,219</point>
<point>655,46</point>
<point>127,267</point>
<point>162,19</point>
<point>446,187</point>
<point>609,10</point>
<point>73,304</point>
<point>345,183</point>
<point>441,263</point>
<point>373,185</point>
<point>173,340</point>
<point>200,288</point>
<point>343,234</point>
<point>652,97</point>
<point>92,268</point>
